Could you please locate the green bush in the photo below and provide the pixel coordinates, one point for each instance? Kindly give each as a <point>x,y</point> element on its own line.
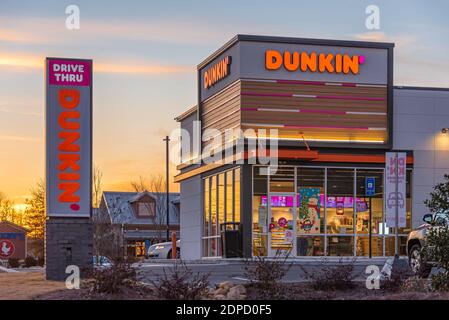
<point>13,262</point>
<point>436,249</point>
<point>30,262</point>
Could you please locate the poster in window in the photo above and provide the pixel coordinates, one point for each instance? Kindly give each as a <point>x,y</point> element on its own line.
<point>309,211</point>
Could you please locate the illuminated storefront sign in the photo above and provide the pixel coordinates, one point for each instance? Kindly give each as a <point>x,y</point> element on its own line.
<point>313,62</point>
<point>69,137</point>
<point>217,72</point>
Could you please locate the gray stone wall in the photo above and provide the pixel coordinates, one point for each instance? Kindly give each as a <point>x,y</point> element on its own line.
<point>68,241</point>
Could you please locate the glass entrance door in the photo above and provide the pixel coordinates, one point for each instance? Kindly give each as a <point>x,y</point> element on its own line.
<point>281,224</point>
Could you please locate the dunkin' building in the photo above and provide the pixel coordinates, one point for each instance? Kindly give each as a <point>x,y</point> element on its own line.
<point>338,122</point>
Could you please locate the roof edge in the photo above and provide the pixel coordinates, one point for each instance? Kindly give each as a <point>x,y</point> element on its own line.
<point>15,226</point>
<point>186,113</point>
<point>421,88</point>
<point>294,40</point>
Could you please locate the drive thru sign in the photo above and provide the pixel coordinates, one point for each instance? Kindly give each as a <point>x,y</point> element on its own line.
<point>68,137</point>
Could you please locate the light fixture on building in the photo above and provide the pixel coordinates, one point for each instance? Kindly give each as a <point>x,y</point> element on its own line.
<point>445,130</point>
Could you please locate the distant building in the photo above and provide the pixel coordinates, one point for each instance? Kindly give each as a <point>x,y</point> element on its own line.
<point>138,219</point>
<point>13,241</point>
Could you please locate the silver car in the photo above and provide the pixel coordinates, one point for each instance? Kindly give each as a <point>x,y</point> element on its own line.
<point>417,239</point>
<point>163,250</point>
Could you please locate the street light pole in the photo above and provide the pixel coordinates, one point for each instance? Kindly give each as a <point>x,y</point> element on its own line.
<point>167,141</point>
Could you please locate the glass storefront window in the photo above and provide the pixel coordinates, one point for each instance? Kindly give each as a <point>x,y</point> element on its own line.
<point>363,246</point>
<point>281,225</point>
<point>310,245</point>
<point>213,206</point>
<point>390,245</point>
<point>340,201</point>
<point>237,195</point>
<point>221,199</point>
<point>221,204</point>
<point>310,209</point>
<point>340,246</point>
<point>369,202</point>
<point>283,180</point>
<point>260,222</point>
<point>206,232</point>
<point>229,197</point>
<point>336,212</point>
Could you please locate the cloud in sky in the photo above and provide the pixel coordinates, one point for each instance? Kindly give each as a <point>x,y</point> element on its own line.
<point>25,61</point>
<point>18,138</point>
<point>18,110</point>
<point>401,40</point>
<point>35,30</point>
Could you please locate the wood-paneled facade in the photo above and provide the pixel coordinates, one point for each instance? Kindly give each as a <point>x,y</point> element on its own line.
<point>314,111</point>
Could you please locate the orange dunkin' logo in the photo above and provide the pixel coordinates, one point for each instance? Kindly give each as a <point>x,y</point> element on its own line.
<point>69,148</point>
<point>313,62</point>
<point>217,72</point>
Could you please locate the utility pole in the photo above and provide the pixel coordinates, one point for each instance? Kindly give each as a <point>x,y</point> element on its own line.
<point>167,141</point>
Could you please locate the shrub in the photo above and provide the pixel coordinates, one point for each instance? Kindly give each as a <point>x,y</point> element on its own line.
<point>436,249</point>
<point>13,262</point>
<point>115,278</point>
<point>415,284</point>
<point>396,281</point>
<point>181,283</point>
<point>266,274</point>
<point>30,262</point>
<point>327,276</point>
<point>41,261</point>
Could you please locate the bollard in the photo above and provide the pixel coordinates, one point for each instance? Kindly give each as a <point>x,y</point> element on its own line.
<point>173,245</point>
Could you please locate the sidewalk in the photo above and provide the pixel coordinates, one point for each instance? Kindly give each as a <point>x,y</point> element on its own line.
<point>362,261</point>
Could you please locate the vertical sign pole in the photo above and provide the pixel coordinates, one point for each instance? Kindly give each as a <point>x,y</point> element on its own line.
<point>396,173</point>
<point>167,140</point>
<point>370,227</point>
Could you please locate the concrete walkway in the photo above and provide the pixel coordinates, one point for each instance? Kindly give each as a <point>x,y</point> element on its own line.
<point>234,270</point>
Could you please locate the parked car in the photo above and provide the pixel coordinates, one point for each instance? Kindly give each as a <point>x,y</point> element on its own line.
<point>417,239</point>
<point>101,262</point>
<point>163,250</point>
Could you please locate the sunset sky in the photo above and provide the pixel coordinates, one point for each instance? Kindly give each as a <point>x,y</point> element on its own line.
<point>145,55</point>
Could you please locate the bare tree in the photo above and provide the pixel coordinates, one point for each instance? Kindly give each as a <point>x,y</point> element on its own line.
<point>108,238</point>
<point>97,177</point>
<point>8,212</point>
<point>157,187</point>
